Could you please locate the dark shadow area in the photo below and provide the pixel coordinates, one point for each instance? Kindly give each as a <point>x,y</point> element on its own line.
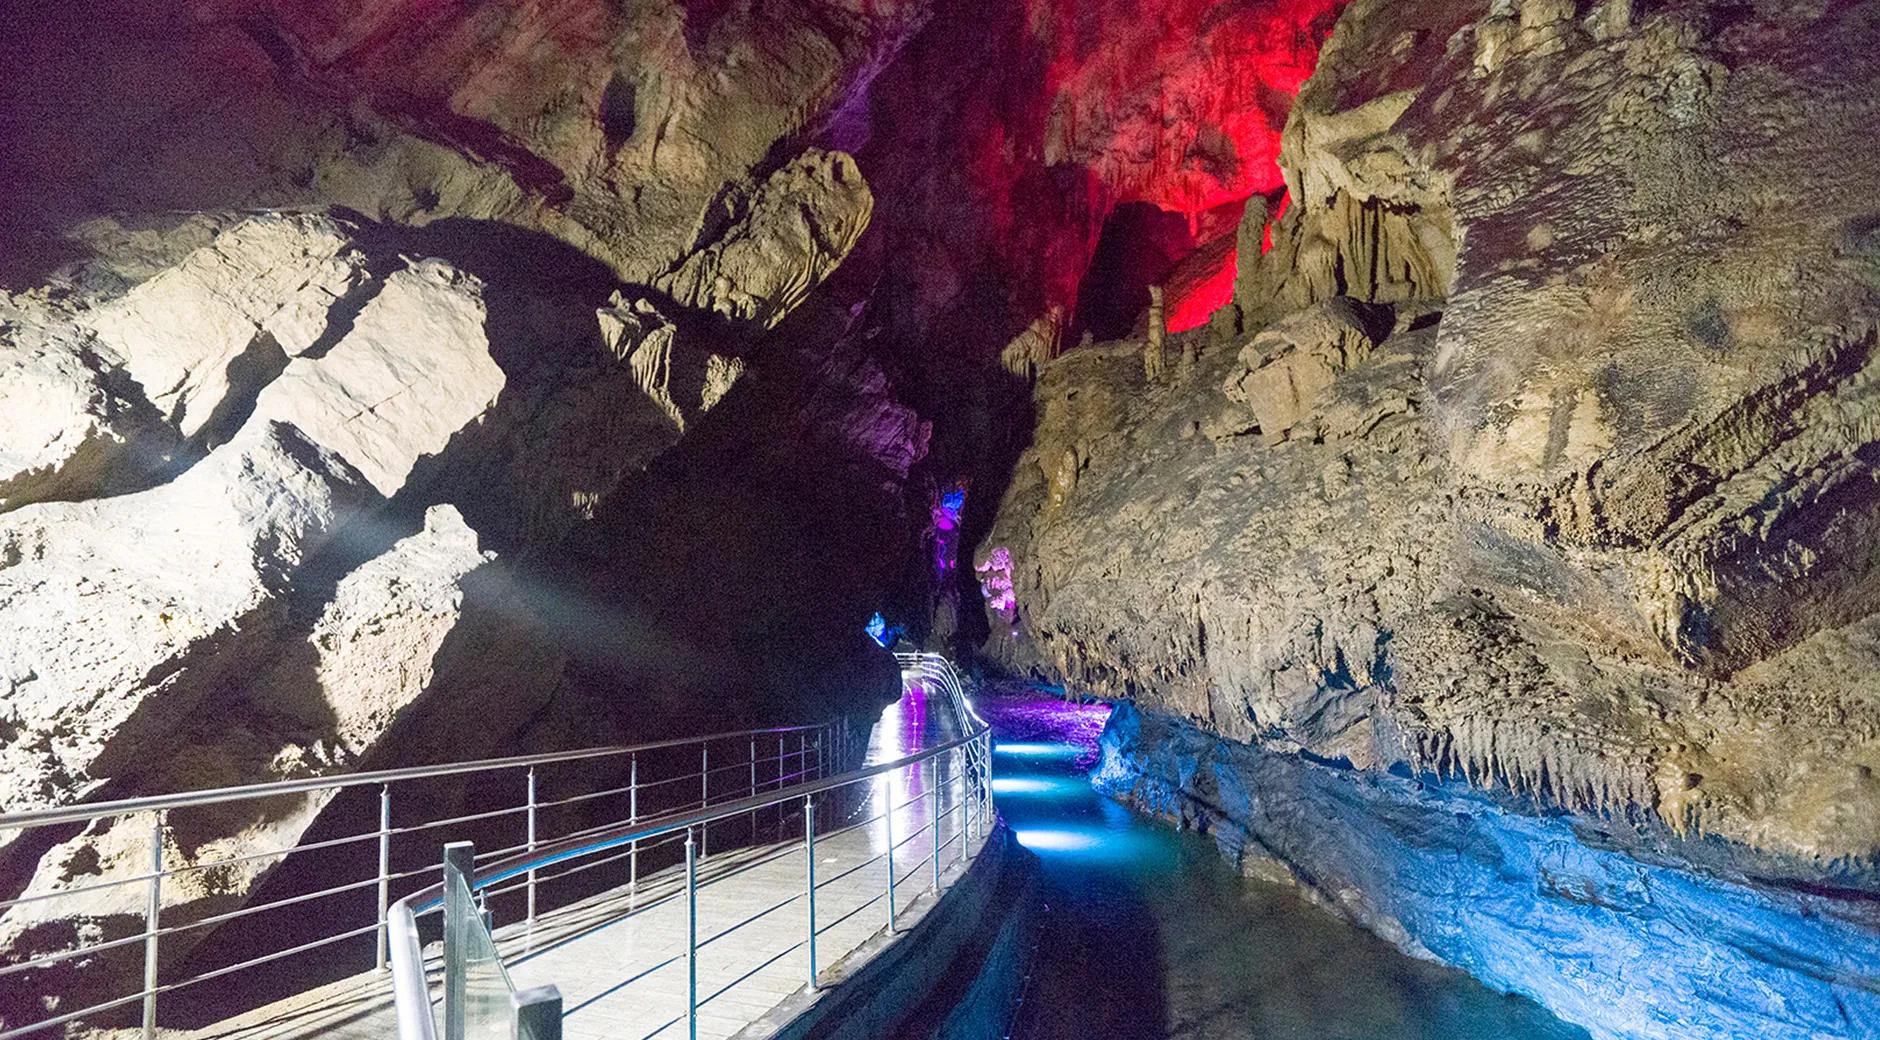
<point>1139,245</point>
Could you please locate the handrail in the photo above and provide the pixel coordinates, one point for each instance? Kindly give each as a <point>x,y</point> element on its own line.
<point>515,866</point>
<point>411,991</point>
<point>821,754</point>
<point>83,812</point>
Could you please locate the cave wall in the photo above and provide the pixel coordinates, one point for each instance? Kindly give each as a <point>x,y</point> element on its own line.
<point>1545,905</point>
<point>538,373</point>
<point>1533,458</point>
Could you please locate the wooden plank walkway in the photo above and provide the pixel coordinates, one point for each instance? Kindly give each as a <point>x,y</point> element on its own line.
<point>619,957</point>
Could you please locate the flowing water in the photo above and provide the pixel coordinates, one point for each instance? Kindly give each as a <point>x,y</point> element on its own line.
<point>1151,934</point>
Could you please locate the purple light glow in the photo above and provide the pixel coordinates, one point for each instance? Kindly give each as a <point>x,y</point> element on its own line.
<point>995,583</point>
<point>945,512</point>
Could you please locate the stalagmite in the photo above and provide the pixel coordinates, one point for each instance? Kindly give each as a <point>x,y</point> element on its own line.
<point>1152,349</point>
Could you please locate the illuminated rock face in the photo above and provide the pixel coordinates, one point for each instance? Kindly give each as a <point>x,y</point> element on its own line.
<point>1545,906</point>
<point>1517,426</point>
<point>1586,525</point>
<point>999,178</point>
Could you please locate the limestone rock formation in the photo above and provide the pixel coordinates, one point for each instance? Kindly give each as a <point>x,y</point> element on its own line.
<point>413,369</point>
<point>107,602</point>
<point>778,242</point>
<point>72,422</point>
<point>386,621</point>
<point>1585,525</point>
<point>373,648</point>
<point>1290,364</point>
<point>682,379</point>
<point>222,322</point>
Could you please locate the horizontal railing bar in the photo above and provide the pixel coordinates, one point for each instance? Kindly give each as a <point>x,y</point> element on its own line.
<point>277,904</point>
<point>563,849</point>
<point>917,868</point>
<point>471,818</point>
<point>181,983</point>
<point>670,839</point>
<point>40,897</point>
<point>65,955</point>
<point>269,853</point>
<point>729,986</point>
<point>869,862</point>
<point>118,807</point>
<point>493,853</point>
<point>702,943</point>
<point>588,797</point>
<point>71,1016</point>
<point>772,855</point>
<point>265,958</point>
<point>871,902</point>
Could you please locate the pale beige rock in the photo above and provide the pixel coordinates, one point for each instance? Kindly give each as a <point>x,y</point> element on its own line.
<point>1291,363</point>
<point>1035,345</point>
<point>72,423</point>
<point>778,242</point>
<point>97,597</point>
<point>682,379</point>
<point>209,327</point>
<point>413,370</point>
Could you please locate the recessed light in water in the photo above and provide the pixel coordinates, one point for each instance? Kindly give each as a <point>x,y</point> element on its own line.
<point>1047,840</point>
<point>1035,785</point>
<point>1034,750</point>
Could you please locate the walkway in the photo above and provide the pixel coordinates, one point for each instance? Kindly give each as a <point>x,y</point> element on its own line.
<point>619,958</point>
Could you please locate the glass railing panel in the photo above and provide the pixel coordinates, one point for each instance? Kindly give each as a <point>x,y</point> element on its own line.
<point>487,997</point>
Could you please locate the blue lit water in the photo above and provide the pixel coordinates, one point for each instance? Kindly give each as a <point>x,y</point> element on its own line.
<point>1150,934</point>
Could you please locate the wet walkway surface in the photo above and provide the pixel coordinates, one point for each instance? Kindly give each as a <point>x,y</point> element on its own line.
<point>1151,934</point>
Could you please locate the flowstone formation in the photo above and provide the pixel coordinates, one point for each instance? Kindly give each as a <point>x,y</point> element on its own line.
<point>1536,461</point>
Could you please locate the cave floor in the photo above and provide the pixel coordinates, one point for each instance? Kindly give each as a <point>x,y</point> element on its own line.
<point>1151,934</point>
<point>619,957</point>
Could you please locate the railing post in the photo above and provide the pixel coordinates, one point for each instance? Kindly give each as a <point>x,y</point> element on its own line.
<point>633,816</point>
<point>809,874</point>
<point>538,1014</point>
<point>972,796</point>
<point>704,794</point>
<point>887,823</point>
<point>531,885</point>
<point>933,820</point>
<point>385,876</point>
<point>459,861</point>
<point>963,803</point>
<point>153,910</point>
<point>753,789</point>
<point>691,938</point>
<point>781,784</point>
<point>992,810</point>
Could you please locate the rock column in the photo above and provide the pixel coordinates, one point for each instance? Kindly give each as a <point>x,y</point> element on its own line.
<point>1152,350</point>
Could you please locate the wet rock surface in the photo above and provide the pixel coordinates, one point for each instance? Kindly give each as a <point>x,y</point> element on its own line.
<point>1573,526</point>
<point>504,377</point>
<point>1550,907</point>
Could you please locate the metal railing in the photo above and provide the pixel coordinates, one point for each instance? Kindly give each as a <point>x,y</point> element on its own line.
<point>971,813</point>
<point>749,761</point>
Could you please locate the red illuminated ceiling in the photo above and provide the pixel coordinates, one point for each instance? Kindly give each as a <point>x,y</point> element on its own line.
<point>1174,103</point>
